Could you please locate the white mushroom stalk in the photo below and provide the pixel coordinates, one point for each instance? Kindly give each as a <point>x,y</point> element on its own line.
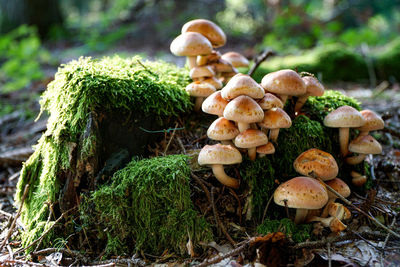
<point>219,172</point>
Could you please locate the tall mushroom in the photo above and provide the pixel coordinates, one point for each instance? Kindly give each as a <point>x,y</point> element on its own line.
<point>363,145</point>
<point>344,118</point>
<point>217,156</point>
<point>190,45</point>
<point>303,194</point>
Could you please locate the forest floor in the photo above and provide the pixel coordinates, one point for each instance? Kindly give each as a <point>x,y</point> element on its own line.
<point>19,132</point>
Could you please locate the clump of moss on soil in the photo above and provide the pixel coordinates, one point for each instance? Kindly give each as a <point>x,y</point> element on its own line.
<point>81,86</point>
<point>146,206</point>
<point>298,233</point>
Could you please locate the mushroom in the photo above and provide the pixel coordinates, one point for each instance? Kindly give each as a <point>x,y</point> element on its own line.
<point>214,82</point>
<point>251,139</point>
<point>270,101</point>
<point>190,44</point>
<point>208,29</point>
<point>317,164</point>
<point>343,118</point>
<point>214,104</point>
<point>242,84</point>
<point>208,59</point>
<point>200,73</point>
<point>358,179</point>
<point>339,211</point>
<point>275,119</point>
<point>284,83</point>
<point>363,145</point>
<point>265,149</point>
<point>303,194</point>
<point>334,224</point>
<point>217,156</point>
<point>222,130</point>
<point>244,110</point>
<point>313,87</point>
<point>373,122</point>
<point>199,90</point>
<point>236,59</point>
<point>339,186</point>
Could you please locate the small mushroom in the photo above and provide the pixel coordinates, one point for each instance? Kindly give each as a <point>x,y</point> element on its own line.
<point>275,119</point>
<point>217,156</point>
<point>236,59</point>
<point>222,130</point>
<point>200,91</point>
<point>344,118</point>
<point>201,73</point>
<point>334,224</point>
<point>303,194</point>
<point>208,29</point>
<point>358,179</point>
<point>270,101</point>
<point>373,122</point>
<point>339,186</point>
<point>251,139</point>
<point>242,84</point>
<point>313,87</point>
<point>265,149</point>
<point>363,145</point>
<point>339,211</point>
<point>214,82</point>
<point>214,104</point>
<point>208,59</point>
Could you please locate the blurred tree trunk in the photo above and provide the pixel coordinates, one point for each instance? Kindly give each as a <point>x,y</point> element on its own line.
<point>42,13</point>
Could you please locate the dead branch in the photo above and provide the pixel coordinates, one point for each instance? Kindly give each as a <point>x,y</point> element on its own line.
<point>10,262</point>
<point>200,182</point>
<point>15,157</point>
<point>260,59</point>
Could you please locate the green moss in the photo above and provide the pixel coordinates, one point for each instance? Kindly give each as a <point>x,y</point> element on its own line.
<point>298,233</point>
<point>387,60</point>
<point>81,86</point>
<point>147,207</point>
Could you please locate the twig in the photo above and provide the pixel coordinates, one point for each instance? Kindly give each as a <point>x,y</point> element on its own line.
<point>266,208</point>
<point>16,217</point>
<point>181,144</point>
<point>328,246</point>
<point>20,262</point>
<point>388,235</point>
<point>360,210</point>
<point>259,59</point>
<point>47,222</point>
<point>233,252</point>
<point>233,193</point>
<point>170,139</point>
<point>69,252</point>
<point>200,182</point>
<point>218,221</point>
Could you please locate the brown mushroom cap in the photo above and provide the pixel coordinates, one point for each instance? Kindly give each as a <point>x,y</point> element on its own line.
<point>373,121</point>
<point>344,117</point>
<point>207,28</point>
<point>275,118</point>
<point>266,149</point>
<point>241,84</point>
<point>301,193</point>
<point>365,145</point>
<point>219,154</point>
<point>214,104</point>
<point>250,138</point>
<point>284,82</point>
<point>236,59</point>
<point>190,44</point>
<point>339,186</point>
<point>208,59</point>
<point>270,101</point>
<point>200,72</point>
<point>313,86</point>
<point>318,163</point>
<point>222,66</point>
<point>243,109</point>
<point>222,129</point>
<point>214,82</point>
<point>199,89</point>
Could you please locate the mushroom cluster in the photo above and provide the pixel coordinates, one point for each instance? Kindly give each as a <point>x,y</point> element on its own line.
<point>208,69</point>
<point>307,193</point>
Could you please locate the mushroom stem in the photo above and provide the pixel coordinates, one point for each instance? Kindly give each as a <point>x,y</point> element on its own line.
<point>219,172</point>
<point>228,142</point>
<point>191,61</point>
<point>252,153</point>
<point>201,60</point>
<point>273,135</point>
<point>283,99</point>
<point>363,133</point>
<point>301,215</point>
<point>300,102</point>
<point>198,102</point>
<point>344,140</point>
<point>355,159</point>
<point>243,126</point>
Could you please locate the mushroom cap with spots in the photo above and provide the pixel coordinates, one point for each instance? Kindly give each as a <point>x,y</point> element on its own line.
<point>214,82</point>
<point>266,149</point>
<point>344,117</point>
<point>222,66</point>
<point>219,154</point>
<point>236,59</point>
<point>301,193</point>
<point>284,82</point>
<point>242,84</point>
<point>275,118</point>
<point>339,186</point>
<point>222,129</point>
<point>270,101</point>
<point>373,121</point>
<point>313,86</point>
<point>201,72</point>
<point>365,145</point>
<point>243,109</point>
<point>316,163</point>
<point>250,138</point>
<point>199,89</point>
<point>214,104</point>
<point>208,29</point>
<point>190,44</point>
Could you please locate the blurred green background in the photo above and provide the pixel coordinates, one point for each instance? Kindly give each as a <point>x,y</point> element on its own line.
<point>38,35</point>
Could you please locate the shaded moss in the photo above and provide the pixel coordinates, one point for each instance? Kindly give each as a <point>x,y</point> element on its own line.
<point>298,233</point>
<point>147,207</point>
<point>387,61</point>
<point>81,86</point>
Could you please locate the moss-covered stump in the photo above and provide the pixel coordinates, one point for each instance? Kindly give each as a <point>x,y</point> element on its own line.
<point>147,207</point>
<point>101,112</point>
